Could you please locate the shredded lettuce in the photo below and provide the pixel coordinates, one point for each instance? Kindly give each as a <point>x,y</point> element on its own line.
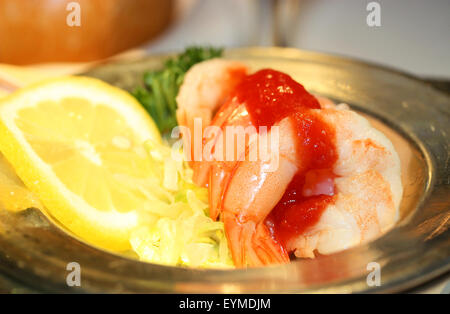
<point>178,230</point>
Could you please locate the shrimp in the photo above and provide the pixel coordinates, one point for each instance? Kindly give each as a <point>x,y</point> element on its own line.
<point>367,196</point>
<point>362,198</point>
<point>368,188</point>
<point>205,88</point>
<point>250,240</point>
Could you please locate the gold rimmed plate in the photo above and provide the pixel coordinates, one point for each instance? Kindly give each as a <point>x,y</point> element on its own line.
<point>34,250</point>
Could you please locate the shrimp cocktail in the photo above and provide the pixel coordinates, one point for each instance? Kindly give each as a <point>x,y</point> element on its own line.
<point>336,180</point>
<point>210,164</point>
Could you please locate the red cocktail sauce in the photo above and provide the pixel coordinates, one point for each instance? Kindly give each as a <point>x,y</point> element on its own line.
<point>270,96</point>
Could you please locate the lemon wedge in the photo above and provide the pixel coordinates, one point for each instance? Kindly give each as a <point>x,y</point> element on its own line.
<point>14,196</point>
<point>77,143</point>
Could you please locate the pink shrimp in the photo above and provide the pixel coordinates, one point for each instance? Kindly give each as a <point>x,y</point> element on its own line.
<point>365,202</point>
<point>205,89</point>
<point>353,196</point>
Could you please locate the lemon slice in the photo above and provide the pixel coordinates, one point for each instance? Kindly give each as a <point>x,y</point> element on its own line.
<point>77,143</point>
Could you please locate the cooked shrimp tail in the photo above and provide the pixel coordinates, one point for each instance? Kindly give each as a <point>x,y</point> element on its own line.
<point>251,243</point>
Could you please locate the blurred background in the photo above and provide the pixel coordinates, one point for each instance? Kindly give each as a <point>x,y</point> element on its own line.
<point>413,35</point>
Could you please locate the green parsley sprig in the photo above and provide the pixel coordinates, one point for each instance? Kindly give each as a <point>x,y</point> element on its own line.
<point>160,88</point>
